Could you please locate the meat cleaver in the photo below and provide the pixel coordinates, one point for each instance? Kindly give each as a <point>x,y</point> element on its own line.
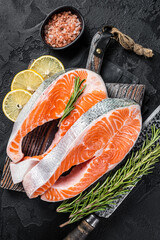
<point>88,225</point>
<point>133,91</point>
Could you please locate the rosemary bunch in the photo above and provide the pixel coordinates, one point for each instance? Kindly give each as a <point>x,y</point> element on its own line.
<point>75,95</point>
<point>116,184</point>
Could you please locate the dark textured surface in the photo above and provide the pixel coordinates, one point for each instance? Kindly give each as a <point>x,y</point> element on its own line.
<point>20,20</point>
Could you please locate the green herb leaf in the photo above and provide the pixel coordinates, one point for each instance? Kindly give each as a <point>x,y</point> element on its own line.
<point>75,95</point>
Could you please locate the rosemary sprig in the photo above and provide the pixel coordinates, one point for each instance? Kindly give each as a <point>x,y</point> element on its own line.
<point>75,95</point>
<point>118,183</point>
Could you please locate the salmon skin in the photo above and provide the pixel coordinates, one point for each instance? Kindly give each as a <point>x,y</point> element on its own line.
<point>48,104</point>
<point>96,143</point>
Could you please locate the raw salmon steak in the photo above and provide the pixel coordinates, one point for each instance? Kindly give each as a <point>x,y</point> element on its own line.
<point>48,103</point>
<point>96,143</point>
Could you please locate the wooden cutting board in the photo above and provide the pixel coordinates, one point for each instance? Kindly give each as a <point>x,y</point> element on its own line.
<point>38,141</point>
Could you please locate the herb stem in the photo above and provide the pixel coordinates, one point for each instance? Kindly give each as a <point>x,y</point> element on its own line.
<point>77,92</point>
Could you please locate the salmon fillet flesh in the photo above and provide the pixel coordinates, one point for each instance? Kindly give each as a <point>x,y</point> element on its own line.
<point>95,144</point>
<point>48,104</point>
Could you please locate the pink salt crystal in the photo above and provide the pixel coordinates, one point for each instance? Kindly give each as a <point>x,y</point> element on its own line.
<point>62,29</point>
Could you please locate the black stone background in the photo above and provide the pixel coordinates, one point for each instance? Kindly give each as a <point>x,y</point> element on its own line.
<point>139,216</point>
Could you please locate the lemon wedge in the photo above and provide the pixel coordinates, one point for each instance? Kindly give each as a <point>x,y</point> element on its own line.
<point>28,80</point>
<point>13,103</point>
<point>47,66</point>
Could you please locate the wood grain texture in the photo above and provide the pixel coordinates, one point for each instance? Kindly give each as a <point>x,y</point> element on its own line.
<point>94,63</point>
<point>84,228</point>
<point>6,180</point>
<point>129,91</point>
<point>80,232</point>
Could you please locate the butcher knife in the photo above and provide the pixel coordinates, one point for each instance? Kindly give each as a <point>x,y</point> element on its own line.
<point>89,224</point>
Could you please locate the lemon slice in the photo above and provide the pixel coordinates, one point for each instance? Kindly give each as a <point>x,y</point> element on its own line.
<point>47,66</point>
<point>13,103</point>
<point>28,80</point>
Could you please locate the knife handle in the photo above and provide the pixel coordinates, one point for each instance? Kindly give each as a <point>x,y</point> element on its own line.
<point>97,49</point>
<point>83,229</point>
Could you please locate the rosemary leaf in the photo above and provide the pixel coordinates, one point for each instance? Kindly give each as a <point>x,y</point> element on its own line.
<point>75,95</point>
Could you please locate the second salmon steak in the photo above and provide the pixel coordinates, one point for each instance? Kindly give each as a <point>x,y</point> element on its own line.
<point>95,144</point>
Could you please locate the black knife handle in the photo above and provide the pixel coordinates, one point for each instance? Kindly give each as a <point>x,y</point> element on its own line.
<point>83,229</point>
<point>97,49</point>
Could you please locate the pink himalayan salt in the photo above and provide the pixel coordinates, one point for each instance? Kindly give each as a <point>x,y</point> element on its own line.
<point>62,29</point>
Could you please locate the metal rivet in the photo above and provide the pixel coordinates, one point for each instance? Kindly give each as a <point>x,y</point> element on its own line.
<point>98,50</point>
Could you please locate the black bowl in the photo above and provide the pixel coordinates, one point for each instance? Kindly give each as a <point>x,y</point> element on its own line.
<point>58,10</point>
